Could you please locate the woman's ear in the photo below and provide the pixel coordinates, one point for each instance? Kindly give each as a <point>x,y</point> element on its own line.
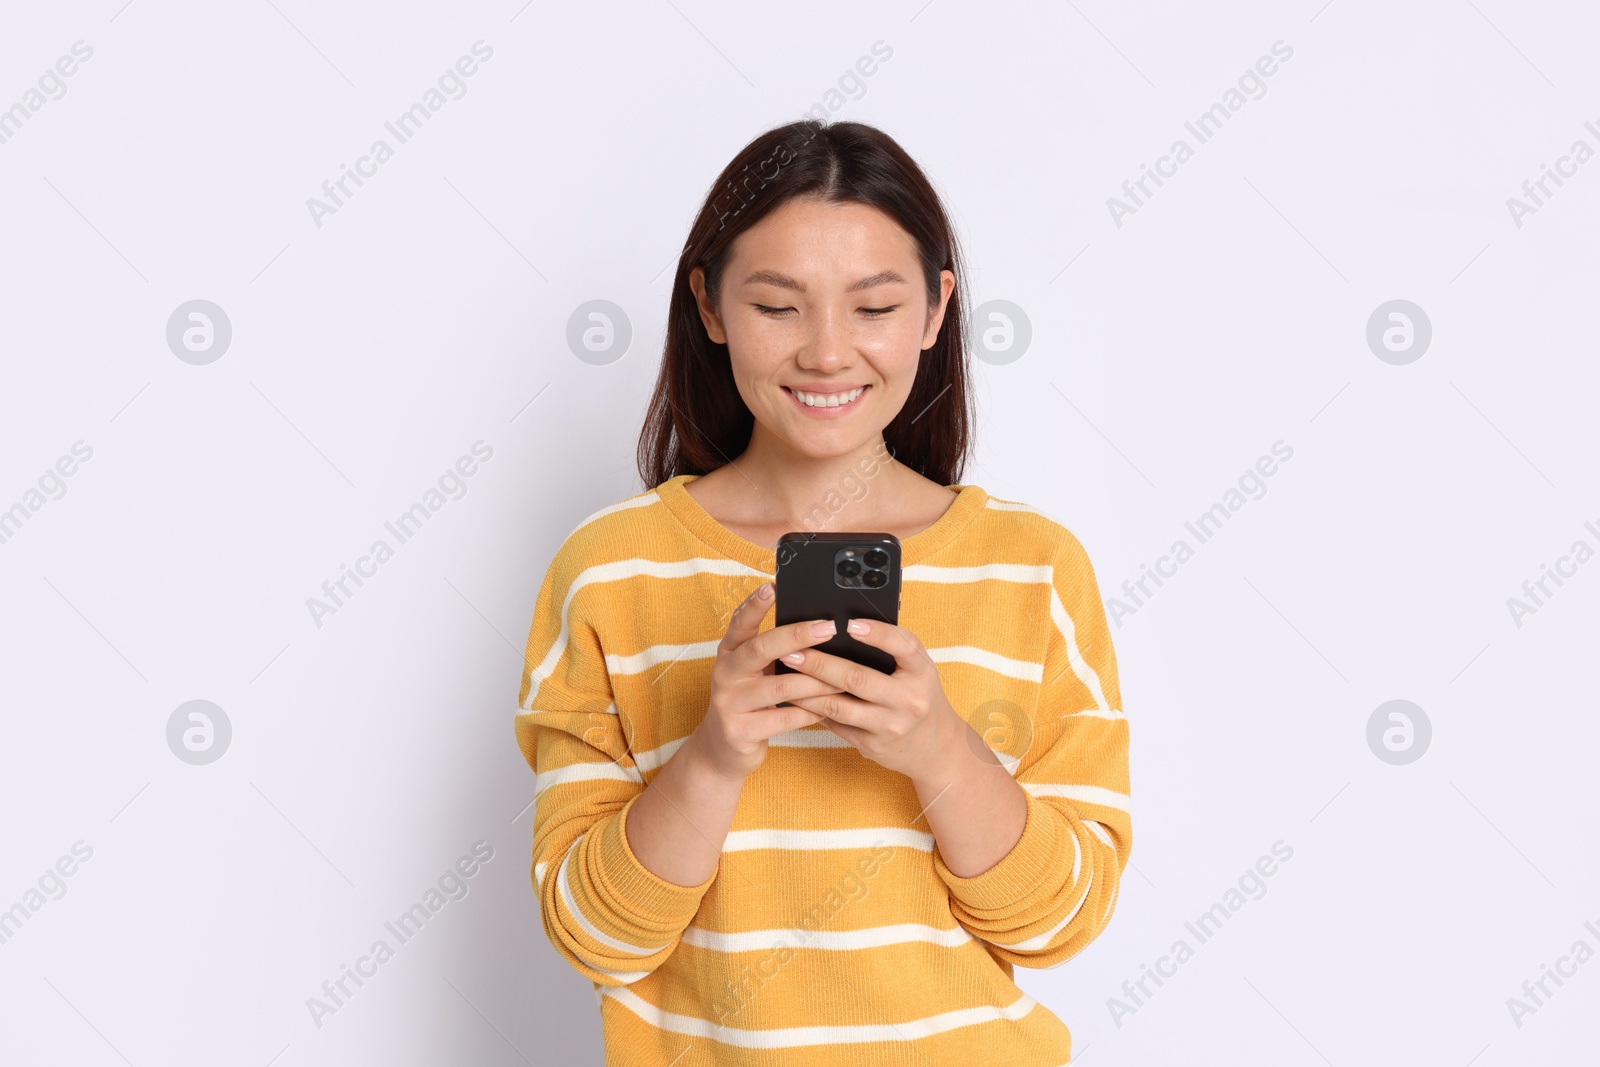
<point>708,313</point>
<point>947,284</point>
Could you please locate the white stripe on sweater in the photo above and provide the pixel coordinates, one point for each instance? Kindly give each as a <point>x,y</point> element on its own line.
<point>1077,858</point>
<point>1089,794</point>
<point>862,837</point>
<point>982,657</point>
<point>609,709</point>
<point>1021,572</point>
<point>621,570</point>
<point>1116,887</point>
<point>1080,666</point>
<point>1034,944</point>
<point>669,654</point>
<point>625,977</point>
<point>1098,713</point>
<point>637,662</point>
<point>585,772</point>
<point>833,940</point>
<point>806,737</point>
<point>795,1036</point>
<point>642,500</point>
<point>796,738</point>
<point>1040,941</point>
<point>1004,572</point>
<point>656,757</point>
<point>1009,505</point>
<point>589,928</point>
<point>652,759</point>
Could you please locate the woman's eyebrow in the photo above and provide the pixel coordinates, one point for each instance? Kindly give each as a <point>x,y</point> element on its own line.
<point>783,281</point>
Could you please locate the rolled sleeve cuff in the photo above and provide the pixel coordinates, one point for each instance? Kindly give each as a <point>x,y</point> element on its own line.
<point>622,877</point>
<point>1020,873</point>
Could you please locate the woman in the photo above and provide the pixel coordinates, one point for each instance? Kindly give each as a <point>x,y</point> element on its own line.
<point>852,877</point>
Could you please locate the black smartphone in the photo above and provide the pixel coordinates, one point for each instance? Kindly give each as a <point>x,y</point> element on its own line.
<point>838,576</point>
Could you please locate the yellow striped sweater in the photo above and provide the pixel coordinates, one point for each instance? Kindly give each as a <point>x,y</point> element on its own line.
<point>831,931</point>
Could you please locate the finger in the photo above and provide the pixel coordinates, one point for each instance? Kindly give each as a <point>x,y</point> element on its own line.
<point>852,734</point>
<point>865,682</point>
<point>774,721</point>
<point>756,654</point>
<point>899,642</point>
<point>747,618</point>
<point>843,708</point>
<point>771,689</point>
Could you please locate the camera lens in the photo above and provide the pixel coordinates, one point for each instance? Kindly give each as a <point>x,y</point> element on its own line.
<point>876,557</point>
<point>848,568</point>
<point>874,578</point>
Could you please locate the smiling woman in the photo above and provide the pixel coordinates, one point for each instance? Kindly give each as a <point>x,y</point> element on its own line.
<point>842,346</point>
<point>697,812</point>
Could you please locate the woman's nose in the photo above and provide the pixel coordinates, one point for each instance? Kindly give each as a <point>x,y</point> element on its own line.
<point>828,347</point>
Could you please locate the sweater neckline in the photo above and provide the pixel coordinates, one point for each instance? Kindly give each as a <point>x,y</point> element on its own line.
<point>969,501</point>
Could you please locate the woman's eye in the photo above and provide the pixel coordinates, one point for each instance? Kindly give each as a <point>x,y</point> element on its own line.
<point>871,312</point>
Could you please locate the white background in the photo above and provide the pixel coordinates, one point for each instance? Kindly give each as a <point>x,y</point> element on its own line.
<point>1168,353</point>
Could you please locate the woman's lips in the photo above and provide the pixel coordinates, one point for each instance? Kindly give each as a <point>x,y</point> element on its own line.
<point>833,412</point>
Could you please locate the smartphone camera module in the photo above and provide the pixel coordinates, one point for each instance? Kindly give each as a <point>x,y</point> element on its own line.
<point>861,566</point>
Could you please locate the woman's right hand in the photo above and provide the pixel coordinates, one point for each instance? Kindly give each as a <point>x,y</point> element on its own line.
<point>740,715</point>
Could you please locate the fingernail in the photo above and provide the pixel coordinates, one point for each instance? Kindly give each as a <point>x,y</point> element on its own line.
<point>825,628</point>
<point>794,658</point>
<point>765,592</point>
<point>857,626</point>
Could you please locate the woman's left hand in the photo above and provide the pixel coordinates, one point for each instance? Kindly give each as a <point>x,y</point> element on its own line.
<point>902,721</point>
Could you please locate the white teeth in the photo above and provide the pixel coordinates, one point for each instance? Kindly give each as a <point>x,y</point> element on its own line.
<point>827,400</point>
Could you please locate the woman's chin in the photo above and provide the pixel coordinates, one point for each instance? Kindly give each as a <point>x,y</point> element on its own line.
<point>826,445</point>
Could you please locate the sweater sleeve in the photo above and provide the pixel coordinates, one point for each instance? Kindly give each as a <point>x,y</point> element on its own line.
<point>607,914</point>
<point>1055,890</point>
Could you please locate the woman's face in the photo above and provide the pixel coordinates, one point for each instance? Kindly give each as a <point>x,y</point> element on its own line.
<point>825,317</point>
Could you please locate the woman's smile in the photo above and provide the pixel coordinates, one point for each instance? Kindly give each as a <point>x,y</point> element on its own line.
<point>831,403</point>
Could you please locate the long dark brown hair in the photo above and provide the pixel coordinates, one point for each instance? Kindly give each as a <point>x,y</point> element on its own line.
<point>697,421</point>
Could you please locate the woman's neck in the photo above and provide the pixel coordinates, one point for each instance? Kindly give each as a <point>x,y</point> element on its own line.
<point>765,492</point>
